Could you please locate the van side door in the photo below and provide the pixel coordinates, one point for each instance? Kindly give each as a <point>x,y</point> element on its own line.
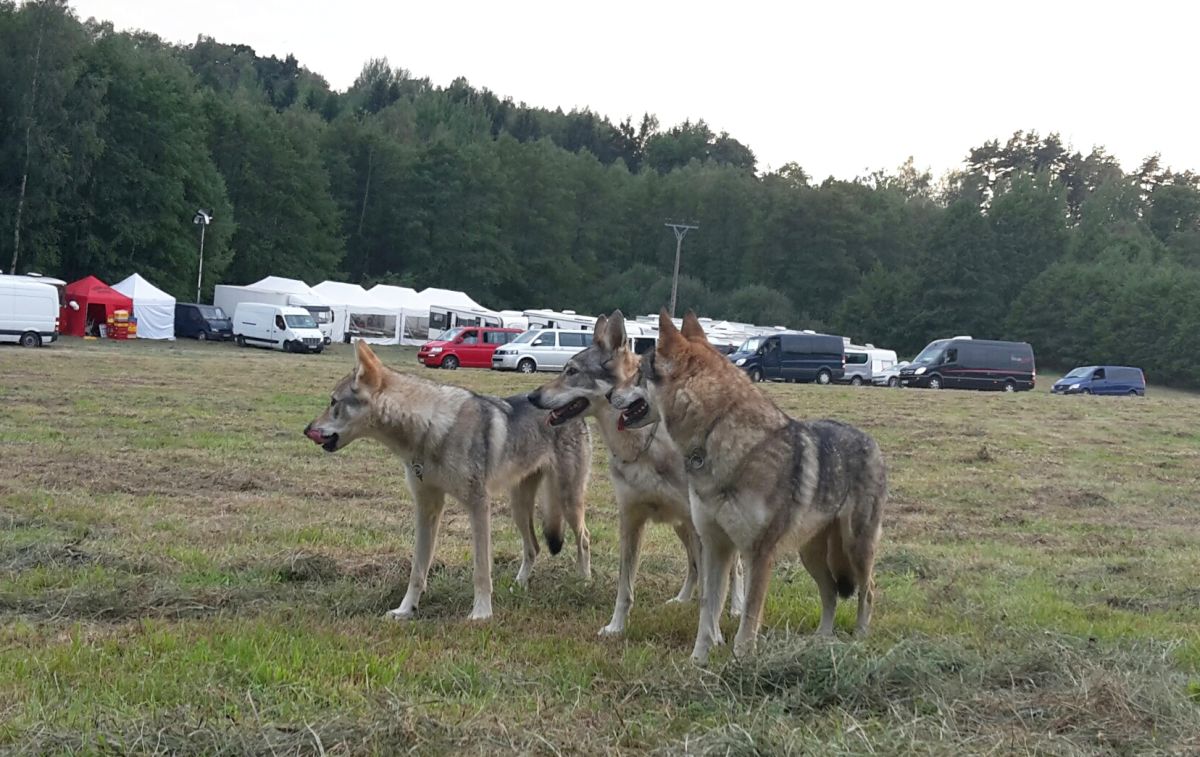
<point>772,359</point>
<point>545,350</point>
<point>1100,383</point>
<point>468,348</point>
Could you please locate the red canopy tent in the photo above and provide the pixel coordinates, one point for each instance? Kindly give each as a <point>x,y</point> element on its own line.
<point>97,301</point>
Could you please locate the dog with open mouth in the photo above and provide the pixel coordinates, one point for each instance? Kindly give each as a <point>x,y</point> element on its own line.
<point>649,481</point>
<point>470,446</point>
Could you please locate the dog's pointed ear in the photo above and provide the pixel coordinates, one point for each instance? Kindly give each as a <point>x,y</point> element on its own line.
<point>600,329</point>
<point>669,338</point>
<point>368,371</point>
<point>692,330</point>
<point>615,334</point>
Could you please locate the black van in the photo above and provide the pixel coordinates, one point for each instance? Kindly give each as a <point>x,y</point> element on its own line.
<point>966,363</point>
<point>792,357</point>
<point>194,321</point>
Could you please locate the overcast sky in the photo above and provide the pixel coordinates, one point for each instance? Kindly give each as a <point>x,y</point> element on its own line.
<point>841,88</point>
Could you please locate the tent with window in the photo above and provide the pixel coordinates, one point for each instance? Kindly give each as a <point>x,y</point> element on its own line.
<point>153,308</point>
<point>358,314</point>
<point>414,328</point>
<point>97,302</point>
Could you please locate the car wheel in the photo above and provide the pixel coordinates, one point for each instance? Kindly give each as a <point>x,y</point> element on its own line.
<point>526,366</point>
<point>893,382</point>
<point>450,363</point>
<point>200,336</point>
<point>856,381</point>
<point>1086,391</point>
<point>755,375</point>
<point>824,377</point>
<point>1010,386</point>
<point>241,340</point>
<point>31,339</point>
<point>935,382</point>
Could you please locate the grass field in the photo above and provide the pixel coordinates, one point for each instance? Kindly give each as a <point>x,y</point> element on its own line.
<point>182,571</point>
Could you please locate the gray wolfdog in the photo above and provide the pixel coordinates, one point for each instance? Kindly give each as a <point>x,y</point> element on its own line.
<point>469,446</point>
<point>758,476</point>
<point>649,480</point>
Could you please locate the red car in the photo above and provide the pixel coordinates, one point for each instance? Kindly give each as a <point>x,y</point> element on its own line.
<point>468,346</point>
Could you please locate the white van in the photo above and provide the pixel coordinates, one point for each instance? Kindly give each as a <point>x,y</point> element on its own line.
<point>540,350</point>
<point>29,310</point>
<point>276,327</point>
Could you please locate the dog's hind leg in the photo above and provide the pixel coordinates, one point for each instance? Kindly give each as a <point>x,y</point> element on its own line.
<point>430,503</point>
<point>481,540</point>
<point>859,549</point>
<point>570,491</point>
<point>523,498</point>
<point>737,589</point>
<point>691,544</point>
<point>633,522</point>
<point>814,555</point>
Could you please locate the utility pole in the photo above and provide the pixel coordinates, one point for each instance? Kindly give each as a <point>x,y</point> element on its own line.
<point>201,219</point>
<point>681,230</point>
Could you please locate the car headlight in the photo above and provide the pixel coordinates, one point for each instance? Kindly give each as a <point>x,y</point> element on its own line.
<point>919,371</point>
<point>1073,386</point>
<point>740,361</point>
<point>434,350</point>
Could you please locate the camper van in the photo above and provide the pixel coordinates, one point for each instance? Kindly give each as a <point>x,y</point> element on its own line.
<point>965,363</point>
<point>228,297</point>
<point>29,310</point>
<point>865,363</point>
<point>276,327</point>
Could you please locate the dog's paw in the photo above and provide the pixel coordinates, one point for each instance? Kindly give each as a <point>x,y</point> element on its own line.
<point>611,630</point>
<point>480,614</point>
<point>400,614</point>
<point>700,659</point>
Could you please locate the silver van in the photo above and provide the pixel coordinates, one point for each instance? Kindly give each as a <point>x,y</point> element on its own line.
<point>540,350</point>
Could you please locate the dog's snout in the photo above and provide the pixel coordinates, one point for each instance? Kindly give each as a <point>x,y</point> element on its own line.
<point>535,398</point>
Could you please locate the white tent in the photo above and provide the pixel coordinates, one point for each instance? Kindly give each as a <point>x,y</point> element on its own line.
<point>153,308</point>
<point>302,294</point>
<point>356,313</point>
<point>448,298</point>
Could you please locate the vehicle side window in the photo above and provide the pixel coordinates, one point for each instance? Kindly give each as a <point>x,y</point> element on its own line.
<point>470,336</point>
<point>544,340</point>
<point>279,324</point>
<point>571,339</point>
<point>495,337</point>
<point>856,358</point>
<point>1098,374</point>
<point>950,355</point>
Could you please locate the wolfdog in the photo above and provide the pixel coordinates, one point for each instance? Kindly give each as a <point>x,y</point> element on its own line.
<point>758,476</point>
<point>648,475</point>
<point>469,446</point>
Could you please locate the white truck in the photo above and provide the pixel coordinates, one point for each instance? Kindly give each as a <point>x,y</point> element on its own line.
<point>228,297</point>
<point>29,309</point>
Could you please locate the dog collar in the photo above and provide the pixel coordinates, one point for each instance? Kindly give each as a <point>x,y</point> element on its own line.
<point>696,460</point>
<point>418,469</point>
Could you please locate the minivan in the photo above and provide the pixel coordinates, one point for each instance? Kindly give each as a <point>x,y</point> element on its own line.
<point>966,363</point>
<point>29,311</point>
<point>792,357</point>
<point>277,327</point>
<point>541,350</point>
<point>202,322</point>
<point>864,364</point>
<point>1102,379</point>
<point>468,346</point>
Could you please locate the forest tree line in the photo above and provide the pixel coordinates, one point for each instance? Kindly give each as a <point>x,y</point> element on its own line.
<point>110,141</point>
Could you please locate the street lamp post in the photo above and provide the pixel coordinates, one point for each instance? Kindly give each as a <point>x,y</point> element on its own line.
<point>201,219</point>
<point>681,230</point>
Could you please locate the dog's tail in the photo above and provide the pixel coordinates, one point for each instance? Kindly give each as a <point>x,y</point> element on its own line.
<point>552,516</point>
<point>839,562</point>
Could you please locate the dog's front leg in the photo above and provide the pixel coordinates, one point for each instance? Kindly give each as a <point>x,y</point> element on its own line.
<point>430,503</point>
<point>737,600</point>
<point>481,538</point>
<point>632,526</point>
<point>756,596</point>
<point>716,558</point>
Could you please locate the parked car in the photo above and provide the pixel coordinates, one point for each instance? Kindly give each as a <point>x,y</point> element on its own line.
<point>864,363</point>
<point>466,346</point>
<point>29,310</point>
<point>966,363</point>
<point>1102,379</point>
<point>792,357</point>
<point>202,322</point>
<point>541,350</point>
<point>889,376</point>
<point>277,327</point>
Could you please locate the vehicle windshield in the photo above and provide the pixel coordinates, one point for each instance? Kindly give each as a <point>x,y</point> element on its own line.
<point>1083,372</point>
<point>447,335</point>
<point>930,354</point>
<point>752,344</point>
<point>211,312</point>
<point>300,321</point>
<point>321,315</point>
<point>527,337</point>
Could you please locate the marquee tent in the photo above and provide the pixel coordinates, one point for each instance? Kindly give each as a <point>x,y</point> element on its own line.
<point>356,313</point>
<point>97,301</point>
<point>153,308</point>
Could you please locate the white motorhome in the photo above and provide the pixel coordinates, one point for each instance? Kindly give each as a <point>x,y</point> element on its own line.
<point>29,309</point>
<point>554,319</point>
<point>865,364</point>
<point>442,317</point>
<point>276,327</point>
<point>228,297</point>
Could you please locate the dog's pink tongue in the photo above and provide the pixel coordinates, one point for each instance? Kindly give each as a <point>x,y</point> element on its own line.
<point>315,435</point>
